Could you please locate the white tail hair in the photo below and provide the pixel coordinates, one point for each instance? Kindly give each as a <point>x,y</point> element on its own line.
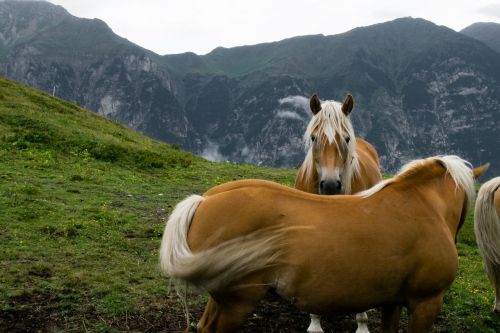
<point>216,267</point>
<point>487,229</point>
<point>174,245</point>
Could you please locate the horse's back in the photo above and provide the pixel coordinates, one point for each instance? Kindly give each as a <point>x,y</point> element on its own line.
<point>247,183</point>
<point>239,208</point>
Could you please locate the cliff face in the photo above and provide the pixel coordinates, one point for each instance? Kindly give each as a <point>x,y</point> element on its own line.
<point>83,61</point>
<point>419,89</point>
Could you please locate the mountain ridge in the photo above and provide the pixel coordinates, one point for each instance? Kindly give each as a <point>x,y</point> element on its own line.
<point>420,89</point>
<point>486,32</point>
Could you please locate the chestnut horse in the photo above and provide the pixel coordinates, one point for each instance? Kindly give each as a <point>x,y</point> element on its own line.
<point>390,246</point>
<point>336,163</point>
<point>487,230</point>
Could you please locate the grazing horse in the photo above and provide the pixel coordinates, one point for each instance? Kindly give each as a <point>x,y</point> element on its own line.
<point>487,230</point>
<point>390,246</point>
<point>336,163</point>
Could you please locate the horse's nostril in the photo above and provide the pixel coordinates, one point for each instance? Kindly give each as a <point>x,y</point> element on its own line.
<point>330,187</point>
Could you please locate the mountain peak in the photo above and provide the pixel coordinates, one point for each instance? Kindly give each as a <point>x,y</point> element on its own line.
<point>482,25</point>
<point>486,32</point>
<point>21,18</point>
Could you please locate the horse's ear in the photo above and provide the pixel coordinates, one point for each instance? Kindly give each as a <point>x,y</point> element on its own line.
<point>480,170</point>
<point>315,104</point>
<point>348,104</point>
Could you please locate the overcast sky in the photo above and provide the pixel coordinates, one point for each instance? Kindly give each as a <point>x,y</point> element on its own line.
<point>176,26</point>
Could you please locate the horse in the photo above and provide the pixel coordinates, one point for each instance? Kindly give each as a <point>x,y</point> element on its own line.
<point>336,163</point>
<point>487,230</point>
<point>390,246</point>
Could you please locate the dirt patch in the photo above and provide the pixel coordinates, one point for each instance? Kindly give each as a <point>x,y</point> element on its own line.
<point>275,315</point>
<point>41,313</point>
<point>30,313</point>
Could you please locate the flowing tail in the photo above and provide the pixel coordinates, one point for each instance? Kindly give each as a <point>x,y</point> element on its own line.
<point>487,229</point>
<point>215,268</point>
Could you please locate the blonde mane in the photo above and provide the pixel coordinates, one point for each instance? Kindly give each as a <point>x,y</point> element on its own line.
<point>328,122</point>
<point>458,169</point>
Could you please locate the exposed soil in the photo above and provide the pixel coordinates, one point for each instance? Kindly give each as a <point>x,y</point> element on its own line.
<point>42,313</point>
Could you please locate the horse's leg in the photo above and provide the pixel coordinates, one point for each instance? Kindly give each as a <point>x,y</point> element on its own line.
<point>423,313</point>
<point>225,312</point>
<point>390,318</point>
<point>208,314</point>
<point>315,325</point>
<point>362,320</point>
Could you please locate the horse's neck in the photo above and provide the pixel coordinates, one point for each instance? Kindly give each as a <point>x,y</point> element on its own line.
<point>307,180</point>
<point>438,195</point>
<point>368,173</point>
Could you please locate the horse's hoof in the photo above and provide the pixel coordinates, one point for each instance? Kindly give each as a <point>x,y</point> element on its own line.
<point>362,330</point>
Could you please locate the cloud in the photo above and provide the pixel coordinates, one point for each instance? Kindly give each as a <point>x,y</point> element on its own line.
<point>288,115</point>
<point>294,107</point>
<point>211,152</point>
<point>492,10</point>
<point>296,101</point>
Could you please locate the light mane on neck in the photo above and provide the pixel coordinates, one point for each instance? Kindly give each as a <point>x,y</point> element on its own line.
<point>458,169</point>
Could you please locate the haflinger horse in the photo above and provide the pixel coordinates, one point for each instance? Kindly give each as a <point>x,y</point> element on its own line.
<point>487,230</point>
<point>337,162</point>
<point>390,246</point>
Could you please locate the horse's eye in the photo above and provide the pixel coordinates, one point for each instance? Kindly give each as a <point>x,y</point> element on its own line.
<point>313,137</point>
<point>347,139</point>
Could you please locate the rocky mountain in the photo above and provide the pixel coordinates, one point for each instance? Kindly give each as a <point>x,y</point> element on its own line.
<point>83,61</point>
<point>420,89</point>
<point>486,32</point>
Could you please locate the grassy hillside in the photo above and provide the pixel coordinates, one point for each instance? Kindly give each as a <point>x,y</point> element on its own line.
<point>83,202</point>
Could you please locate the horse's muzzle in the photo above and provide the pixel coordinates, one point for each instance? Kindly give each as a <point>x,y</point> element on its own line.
<point>330,187</point>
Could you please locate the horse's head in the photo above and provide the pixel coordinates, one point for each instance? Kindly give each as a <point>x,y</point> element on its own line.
<point>332,146</point>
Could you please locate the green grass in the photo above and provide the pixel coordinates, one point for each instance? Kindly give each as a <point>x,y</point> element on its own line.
<point>83,203</point>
